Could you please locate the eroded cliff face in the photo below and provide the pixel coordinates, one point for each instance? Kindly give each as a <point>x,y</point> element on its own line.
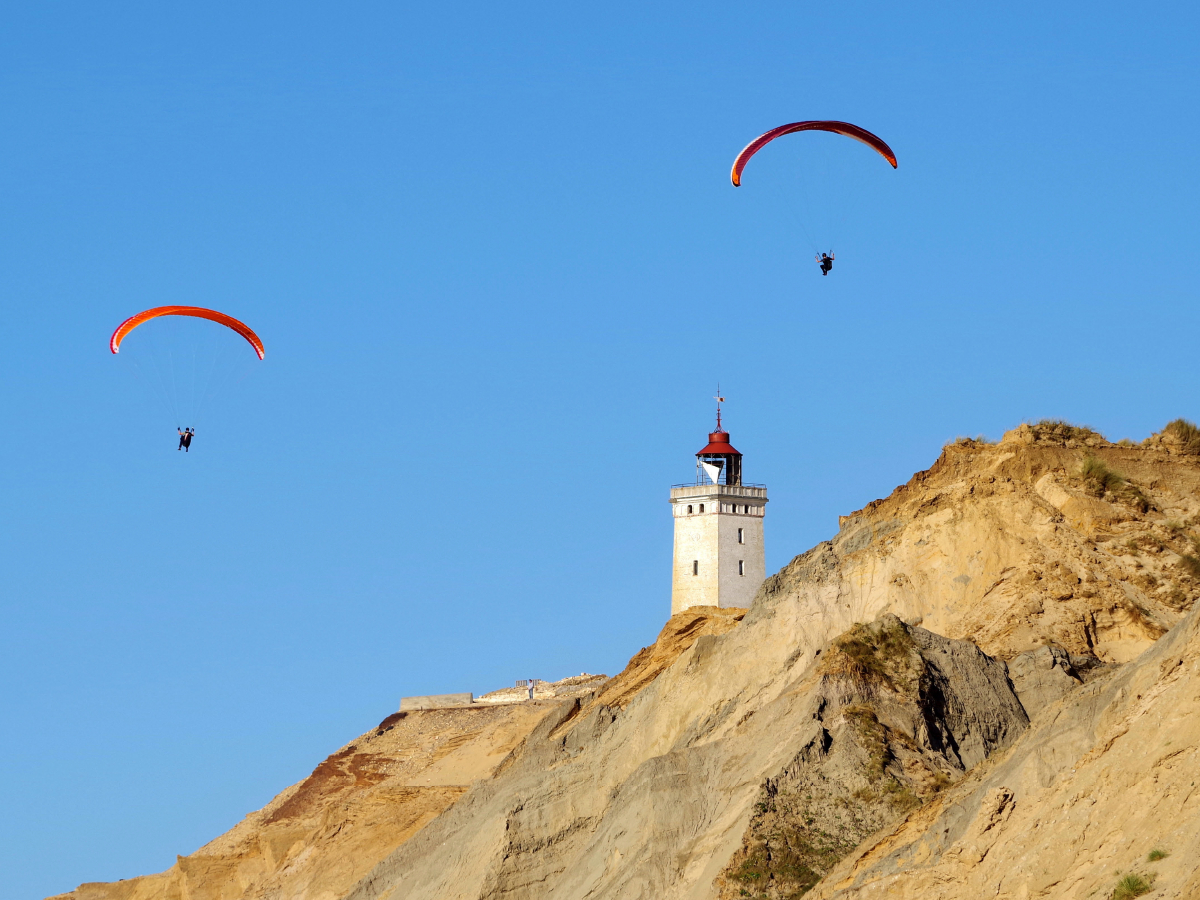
<point>881,684</point>
<point>1011,546</point>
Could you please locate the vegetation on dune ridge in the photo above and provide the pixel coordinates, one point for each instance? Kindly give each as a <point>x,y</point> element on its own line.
<point>1188,435</point>
<point>1180,433</point>
<point>1061,428</point>
<point>963,441</point>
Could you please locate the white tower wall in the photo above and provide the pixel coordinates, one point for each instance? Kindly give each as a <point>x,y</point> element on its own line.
<point>711,566</point>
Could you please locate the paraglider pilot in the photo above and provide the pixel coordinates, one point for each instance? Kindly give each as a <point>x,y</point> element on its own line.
<point>185,439</point>
<point>826,261</point>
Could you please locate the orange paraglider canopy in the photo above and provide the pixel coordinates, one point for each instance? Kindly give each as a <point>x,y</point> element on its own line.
<point>851,131</point>
<point>198,312</point>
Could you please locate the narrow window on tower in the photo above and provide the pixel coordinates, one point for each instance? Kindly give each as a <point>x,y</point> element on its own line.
<point>741,536</point>
<point>741,567</point>
<point>689,509</point>
<point>701,507</point>
<point>695,567</point>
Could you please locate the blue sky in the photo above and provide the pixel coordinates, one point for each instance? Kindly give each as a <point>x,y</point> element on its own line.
<point>499,269</point>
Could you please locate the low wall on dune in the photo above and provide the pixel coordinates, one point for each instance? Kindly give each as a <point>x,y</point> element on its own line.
<point>436,701</point>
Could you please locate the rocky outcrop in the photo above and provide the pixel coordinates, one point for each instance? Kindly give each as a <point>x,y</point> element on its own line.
<point>1044,675</point>
<point>1102,786</point>
<point>896,715</point>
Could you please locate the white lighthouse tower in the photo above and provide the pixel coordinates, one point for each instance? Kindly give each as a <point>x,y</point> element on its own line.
<point>718,530</point>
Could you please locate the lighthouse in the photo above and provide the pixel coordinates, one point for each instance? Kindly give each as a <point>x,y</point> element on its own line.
<point>718,558</point>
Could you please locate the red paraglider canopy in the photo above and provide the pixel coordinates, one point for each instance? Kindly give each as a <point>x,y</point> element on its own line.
<point>198,312</point>
<point>852,131</point>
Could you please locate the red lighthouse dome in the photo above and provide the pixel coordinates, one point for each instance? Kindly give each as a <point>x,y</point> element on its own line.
<point>718,443</point>
<point>719,460</point>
